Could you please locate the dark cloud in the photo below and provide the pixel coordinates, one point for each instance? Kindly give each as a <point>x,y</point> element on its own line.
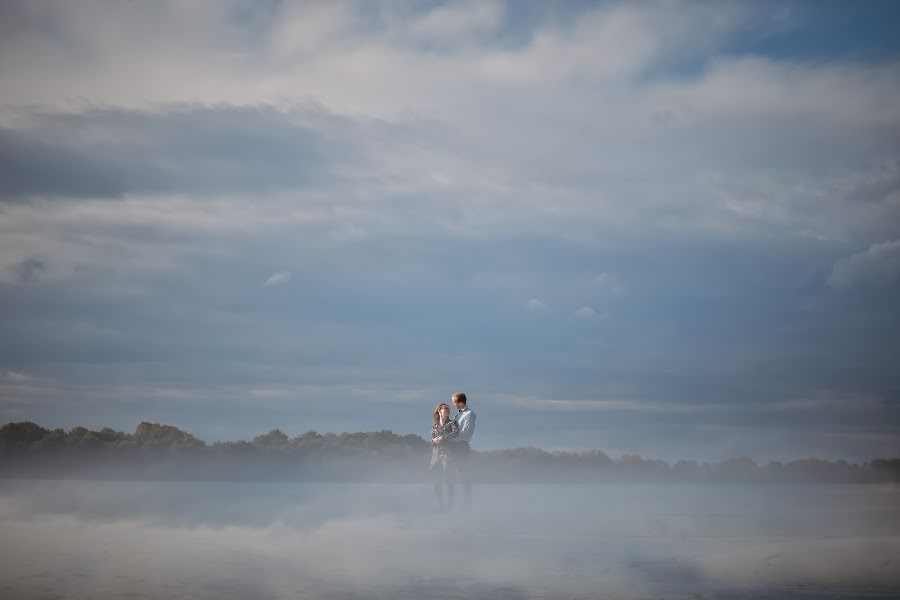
<point>194,149</point>
<point>879,265</point>
<point>28,270</point>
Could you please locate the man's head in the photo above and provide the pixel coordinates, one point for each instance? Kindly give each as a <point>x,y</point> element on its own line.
<point>459,400</point>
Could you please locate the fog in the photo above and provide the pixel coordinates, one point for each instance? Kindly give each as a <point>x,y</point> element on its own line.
<point>105,539</point>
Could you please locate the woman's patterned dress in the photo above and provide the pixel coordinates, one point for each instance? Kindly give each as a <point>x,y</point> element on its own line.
<point>441,454</point>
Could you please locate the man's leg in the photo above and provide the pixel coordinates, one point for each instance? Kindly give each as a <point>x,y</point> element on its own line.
<point>450,489</point>
<point>462,465</point>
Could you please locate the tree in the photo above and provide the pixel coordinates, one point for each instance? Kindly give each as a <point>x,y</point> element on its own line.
<point>276,437</point>
<point>16,438</point>
<point>154,436</point>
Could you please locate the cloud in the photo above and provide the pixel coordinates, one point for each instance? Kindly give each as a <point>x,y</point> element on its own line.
<point>585,312</point>
<point>535,304</point>
<point>454,21</point>
<point>880,264</point>
<point>13,377</point>
<point>341,55</point>
<point>609,283</point>
<point>185,148</point>
<point>727,145</point>
<point>397,145</point>
<point>27,270</point>
<point>278,278</point>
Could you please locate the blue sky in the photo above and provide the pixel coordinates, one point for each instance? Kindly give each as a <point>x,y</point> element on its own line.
<point>665,228</point>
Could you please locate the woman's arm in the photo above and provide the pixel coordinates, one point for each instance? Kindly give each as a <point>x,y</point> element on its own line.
<point>444,433</point>
<point>454,431</point>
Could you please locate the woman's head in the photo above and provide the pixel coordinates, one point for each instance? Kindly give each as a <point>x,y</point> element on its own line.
<point>441,412</point>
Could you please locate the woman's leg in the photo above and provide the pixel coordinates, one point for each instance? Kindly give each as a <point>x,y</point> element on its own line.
<point>448,477</point>
<point>438,473</point>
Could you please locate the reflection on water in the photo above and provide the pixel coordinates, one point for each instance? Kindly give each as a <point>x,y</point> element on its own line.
<point>93,539</point>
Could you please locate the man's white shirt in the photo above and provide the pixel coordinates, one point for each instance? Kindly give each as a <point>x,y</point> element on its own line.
<point>466,421</point>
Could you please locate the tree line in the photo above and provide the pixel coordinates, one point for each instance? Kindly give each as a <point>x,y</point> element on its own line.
<point>158,451</point>
<point>154,439</point>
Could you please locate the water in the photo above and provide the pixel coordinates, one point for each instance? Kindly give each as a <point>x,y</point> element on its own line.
<point>120,539</point>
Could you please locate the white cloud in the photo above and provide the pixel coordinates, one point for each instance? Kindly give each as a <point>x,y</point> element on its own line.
<point>306,29</point>
<point>535,304</point>
<point>14,377</point>
<point>585,312</point>
<point>278,278</point>
<point>609,283</point>
<point>452,21</point>
<point>879,264</point>
<point>705,151</point>
<point>327,53</point>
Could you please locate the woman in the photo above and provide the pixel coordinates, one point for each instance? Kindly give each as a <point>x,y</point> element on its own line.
<point>443,429</point>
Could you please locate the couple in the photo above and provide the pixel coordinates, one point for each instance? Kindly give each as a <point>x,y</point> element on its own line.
<point>450,450</point>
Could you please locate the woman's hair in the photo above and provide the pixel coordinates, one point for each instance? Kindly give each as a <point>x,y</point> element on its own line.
<point>436,417</point>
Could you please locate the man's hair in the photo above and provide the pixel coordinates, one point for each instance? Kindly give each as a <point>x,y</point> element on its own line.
<point>459,397</point>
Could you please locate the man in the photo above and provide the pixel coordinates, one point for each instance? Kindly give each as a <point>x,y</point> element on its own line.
<point>462,449</point>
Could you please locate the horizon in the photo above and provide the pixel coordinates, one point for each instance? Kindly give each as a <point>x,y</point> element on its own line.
<point>670,461</point>
<point>664,229</point>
